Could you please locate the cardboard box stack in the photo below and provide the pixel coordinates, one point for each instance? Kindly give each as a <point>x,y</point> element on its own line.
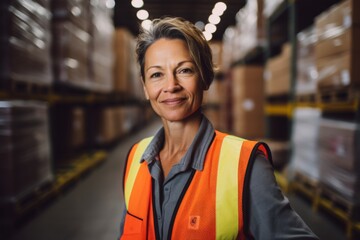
<point>251,25</point>
<point>71,34</point>
<point>337,52</point>
<point>277,73</point>
<point>101,51</point>
<point>126,70</point>
<point>248,119</point>
<point>248,33</point>
<point>339,159</point>
<point>25,40</point>
<point>82,49</point>
<point>24,151</point>
<point>307,75</point>
<point>305,140</point>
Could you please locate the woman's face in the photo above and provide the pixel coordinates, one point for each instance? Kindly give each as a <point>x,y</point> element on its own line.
<point>172,82</point>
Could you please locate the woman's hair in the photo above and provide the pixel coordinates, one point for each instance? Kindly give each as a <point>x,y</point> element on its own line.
<point>178,28</point>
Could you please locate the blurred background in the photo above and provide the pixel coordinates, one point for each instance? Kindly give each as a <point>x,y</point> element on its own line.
<point>72,104</point>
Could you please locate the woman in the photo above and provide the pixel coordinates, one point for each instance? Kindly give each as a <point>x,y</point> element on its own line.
<point>190,181</point>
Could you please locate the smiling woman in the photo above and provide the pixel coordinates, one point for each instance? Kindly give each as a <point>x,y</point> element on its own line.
<point>171,80</point>
<point>190,181</point>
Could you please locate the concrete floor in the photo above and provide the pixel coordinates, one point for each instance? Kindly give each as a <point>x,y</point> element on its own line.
<point>90,209</point>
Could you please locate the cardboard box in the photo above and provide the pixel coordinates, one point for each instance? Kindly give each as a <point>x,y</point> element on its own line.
<point>339,70</point>
<point>343,41</point>
<point>248,117</point>
<point>122,50</point>
<point>277,73</point>
<point>337,18</point>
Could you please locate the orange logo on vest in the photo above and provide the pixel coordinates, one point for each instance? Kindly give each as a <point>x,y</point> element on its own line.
<point>194,222</point>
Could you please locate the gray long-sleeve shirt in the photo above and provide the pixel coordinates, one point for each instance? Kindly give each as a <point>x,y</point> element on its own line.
<point>271,214</point>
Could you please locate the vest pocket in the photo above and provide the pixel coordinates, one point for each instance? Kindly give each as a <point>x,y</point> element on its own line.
<point>132,224</point>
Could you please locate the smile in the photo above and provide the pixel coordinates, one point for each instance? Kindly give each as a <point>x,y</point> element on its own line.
<point>173,101</point>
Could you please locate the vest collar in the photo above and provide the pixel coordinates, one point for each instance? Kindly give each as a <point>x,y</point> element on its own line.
<point>195,155</point>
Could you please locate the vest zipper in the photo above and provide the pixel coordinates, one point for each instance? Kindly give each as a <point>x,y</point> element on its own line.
<point>156,226</point>
<point>179,202</point>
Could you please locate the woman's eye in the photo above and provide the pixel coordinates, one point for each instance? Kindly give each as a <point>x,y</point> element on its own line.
<point>155,75</point>
<point>186,70</point>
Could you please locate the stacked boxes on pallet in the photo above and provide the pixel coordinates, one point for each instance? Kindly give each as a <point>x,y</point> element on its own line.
<point>305,138</point>
<point>248,117</point>
<point>277,73</point>
<point>126,71</point>
<point>101,49</point>
<point>307,75</point>
<point>25,40</point>
<point>339,159</point>
<point>82,49</point>
<point>337,50</point>
<point>246,35</point>
<point>71,26</point>
<point>24,150</point>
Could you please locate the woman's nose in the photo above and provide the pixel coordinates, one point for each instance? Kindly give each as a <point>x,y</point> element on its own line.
<point>172,84</point>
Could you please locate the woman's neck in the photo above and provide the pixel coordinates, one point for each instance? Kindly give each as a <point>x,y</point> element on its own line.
<point>179,135</point>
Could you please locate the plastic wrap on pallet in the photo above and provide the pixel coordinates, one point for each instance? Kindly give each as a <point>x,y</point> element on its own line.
<point>339,153</point>
<point>25,41</point>
<point>305,135</point>
<point>307,74</point>
<point>270,7</point>
<point>102,58</point>
<point>251,27</point>
<point>25,150</point>
<point>75,11</point>
<point>71,54</point>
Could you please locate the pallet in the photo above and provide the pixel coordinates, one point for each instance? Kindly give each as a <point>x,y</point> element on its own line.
<point>305,185</point>
<point>337,95</point>
<point>306,98</point>
<point>29,88</point>
<point>18,208</point>
<point>341,208</point>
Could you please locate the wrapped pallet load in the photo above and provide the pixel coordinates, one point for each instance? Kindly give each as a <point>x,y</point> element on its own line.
<point>25,37</point>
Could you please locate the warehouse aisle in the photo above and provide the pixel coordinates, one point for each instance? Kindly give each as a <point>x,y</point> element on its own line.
<point>90,210</point>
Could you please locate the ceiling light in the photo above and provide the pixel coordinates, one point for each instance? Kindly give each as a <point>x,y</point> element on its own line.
<point>207,35</point>
<point>137,3</point>
<point>221,6</point>
<point>217,12</point>
<point>211,28</point>
<point>214,19</point>
<point>110,4</point>
<point>142,14</point>
<point>146,24</point>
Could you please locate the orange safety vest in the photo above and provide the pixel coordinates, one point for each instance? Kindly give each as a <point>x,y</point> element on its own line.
<point>213,203</point>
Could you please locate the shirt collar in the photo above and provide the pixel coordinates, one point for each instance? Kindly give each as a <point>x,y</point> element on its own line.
<point>195,155</point>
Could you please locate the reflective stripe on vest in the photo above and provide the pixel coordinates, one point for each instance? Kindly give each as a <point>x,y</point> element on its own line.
<point>134,168</point>
<point>227,185</point>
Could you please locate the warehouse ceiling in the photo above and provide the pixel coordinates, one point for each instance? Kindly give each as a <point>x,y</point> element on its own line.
<point>192,10</point>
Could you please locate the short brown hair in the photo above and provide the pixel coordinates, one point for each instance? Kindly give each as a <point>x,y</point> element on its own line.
<point>178,28</point>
